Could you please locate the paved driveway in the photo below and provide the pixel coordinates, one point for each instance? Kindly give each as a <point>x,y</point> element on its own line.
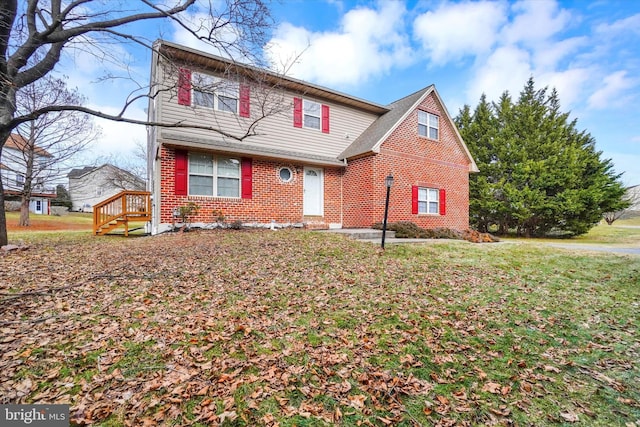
<point>598,248</point>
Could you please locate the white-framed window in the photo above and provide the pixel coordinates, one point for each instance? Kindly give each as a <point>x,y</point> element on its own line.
<point>311,114</point>
<point>215,93</point>
<point>285,174</point>
<point>428,125</point>
<point>20,179</point>
<point>213,175</point>
<point>428,201</point>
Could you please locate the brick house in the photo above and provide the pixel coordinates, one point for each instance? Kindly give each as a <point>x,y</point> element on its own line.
<point>316,157</point>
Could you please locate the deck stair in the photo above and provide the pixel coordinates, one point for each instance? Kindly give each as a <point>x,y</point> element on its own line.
<point>118,210</point>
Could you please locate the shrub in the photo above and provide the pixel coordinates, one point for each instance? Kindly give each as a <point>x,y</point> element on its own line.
<point>410,230</point>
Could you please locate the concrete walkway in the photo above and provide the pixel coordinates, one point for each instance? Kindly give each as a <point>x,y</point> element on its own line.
<point>375,236</point>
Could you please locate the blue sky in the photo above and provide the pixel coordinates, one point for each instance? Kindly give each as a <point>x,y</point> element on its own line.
<point>384,50</point>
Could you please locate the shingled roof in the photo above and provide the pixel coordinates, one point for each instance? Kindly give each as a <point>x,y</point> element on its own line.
<point>77,173</point>
<point>375,133</point>
<point>371,139</point>
<point>17,142</point>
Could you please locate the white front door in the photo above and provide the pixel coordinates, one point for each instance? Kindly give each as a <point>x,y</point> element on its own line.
<point>36,206</point>
<point>313,191</point>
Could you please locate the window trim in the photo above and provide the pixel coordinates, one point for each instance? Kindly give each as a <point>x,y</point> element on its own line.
<point>429,191</point>
<point>222,88</point>
<point>215,175</point>
<point>305,113</point>
<point>290,174</point>
<point>427,125</point>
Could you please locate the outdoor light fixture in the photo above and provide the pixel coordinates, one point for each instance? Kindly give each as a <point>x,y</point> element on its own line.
<point>388,182</point>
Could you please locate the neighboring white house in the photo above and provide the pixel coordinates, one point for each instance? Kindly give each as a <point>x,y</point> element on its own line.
<point>93,184</point>
<point>633,194</point>
<point>13,168</point>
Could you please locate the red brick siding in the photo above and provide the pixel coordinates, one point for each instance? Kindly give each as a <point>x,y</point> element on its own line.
<point>358,193</point>
<point>353,196</point>
<point>271,199</point>
<point>413,160</point>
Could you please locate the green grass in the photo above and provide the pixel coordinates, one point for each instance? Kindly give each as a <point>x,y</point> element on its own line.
<point>69,218</point>
<point>301,328</point>
<point>72,223</point>
<point>620,232</point>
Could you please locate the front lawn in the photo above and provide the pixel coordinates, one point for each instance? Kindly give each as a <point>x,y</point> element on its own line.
<point>310,329</point>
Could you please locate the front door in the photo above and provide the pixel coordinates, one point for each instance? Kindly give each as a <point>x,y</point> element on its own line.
<point>37,207</point>
<point>313,190</point>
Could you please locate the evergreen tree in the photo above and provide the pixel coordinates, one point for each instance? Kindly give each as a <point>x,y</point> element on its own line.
<point>62,197</point>
<point>538,173</point>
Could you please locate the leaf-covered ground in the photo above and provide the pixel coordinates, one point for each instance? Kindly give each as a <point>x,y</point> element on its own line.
<point>309,329</point>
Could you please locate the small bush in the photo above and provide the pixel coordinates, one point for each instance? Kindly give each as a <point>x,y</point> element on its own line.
<point>410,230</point>
<point>236,225</point>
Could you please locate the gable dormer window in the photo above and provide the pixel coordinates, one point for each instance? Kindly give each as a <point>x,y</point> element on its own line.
<point>428,125</point>
<point>215,93</point>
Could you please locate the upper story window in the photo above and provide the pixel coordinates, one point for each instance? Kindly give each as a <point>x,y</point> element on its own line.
<point>311,114</point>
<point>212,92</point>
<point>20,179</point>
<point>198,89</point>
<point>213,176</point>
<point>428,125</point>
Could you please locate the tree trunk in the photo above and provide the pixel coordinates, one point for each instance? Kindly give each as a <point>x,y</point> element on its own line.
<point>24,212</point>
<point>3,219</point>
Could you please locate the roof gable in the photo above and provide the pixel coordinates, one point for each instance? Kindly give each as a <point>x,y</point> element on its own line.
<point>88,170</point>
<point>78,173</point>
<point>17,142</point>
<point>371,140</point>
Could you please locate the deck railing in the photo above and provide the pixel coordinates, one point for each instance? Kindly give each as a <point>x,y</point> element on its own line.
<point>122,207</point>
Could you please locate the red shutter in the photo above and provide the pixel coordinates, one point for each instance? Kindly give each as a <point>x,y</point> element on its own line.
<point>180,183</point>
<point>325,119</point>
<point>247,178</point>
<point>414,199</point>
<point>184,86</point>
<point>297,112</point>
<point>245,101</point>
<point>443,201</point>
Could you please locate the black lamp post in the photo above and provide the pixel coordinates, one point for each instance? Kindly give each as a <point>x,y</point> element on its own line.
<point>388,182</point>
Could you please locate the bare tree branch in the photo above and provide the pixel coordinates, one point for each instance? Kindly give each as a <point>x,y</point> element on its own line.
<point>35,34</point>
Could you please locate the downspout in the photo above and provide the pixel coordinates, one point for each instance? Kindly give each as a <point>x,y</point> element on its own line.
<point>342,193</point>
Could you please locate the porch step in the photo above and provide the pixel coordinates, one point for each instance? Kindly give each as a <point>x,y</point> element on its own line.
<point>315,223</point>
<point>316,226</point>
<point>363,233</point>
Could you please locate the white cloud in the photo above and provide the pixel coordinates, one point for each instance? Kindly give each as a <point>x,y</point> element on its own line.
<point>550,54</point>
<point>569,83</point>
<point>626,25</point>
<point>507,68</point>
<point>613,91</point>
<point>534,22</point>
<point>117,139</point>
<point>226,36</point>
<point>368,43</point>
<point>455,30</point>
